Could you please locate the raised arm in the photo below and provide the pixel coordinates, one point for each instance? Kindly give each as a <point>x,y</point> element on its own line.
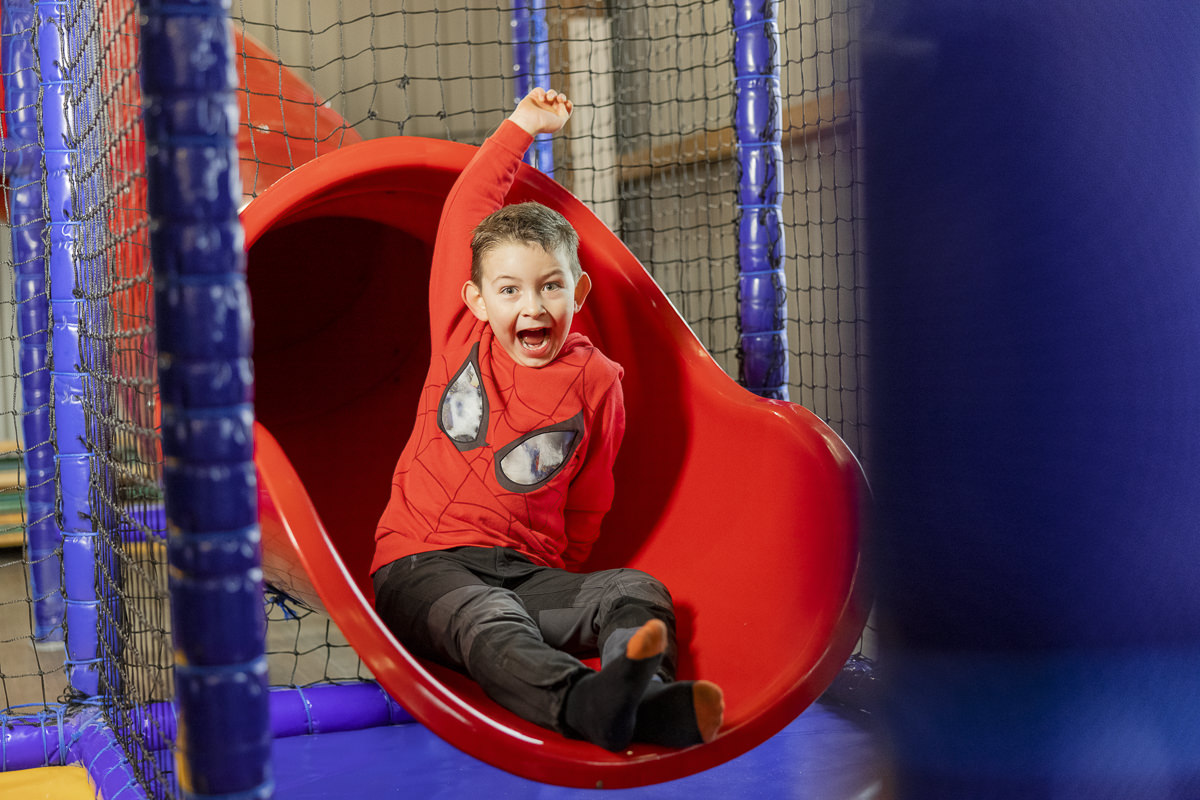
<point>480,190</point>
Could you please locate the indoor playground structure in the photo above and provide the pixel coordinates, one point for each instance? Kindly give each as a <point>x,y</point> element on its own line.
<point>221,225</point>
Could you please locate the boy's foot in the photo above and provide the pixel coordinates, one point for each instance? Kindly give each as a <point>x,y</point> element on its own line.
<point>709,702</point>
<point>680,714</point>
<point>648,641</point>
<point>602,707</point>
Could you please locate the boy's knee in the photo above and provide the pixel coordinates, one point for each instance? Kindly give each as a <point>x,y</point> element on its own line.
<point>634,598</point>
<point>636,586</point>
<point>641,602</point>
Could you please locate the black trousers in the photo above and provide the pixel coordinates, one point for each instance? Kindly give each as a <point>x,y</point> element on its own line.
<point>515,627</point>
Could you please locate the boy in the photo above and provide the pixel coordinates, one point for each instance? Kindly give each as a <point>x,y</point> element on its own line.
<point>508,473</point>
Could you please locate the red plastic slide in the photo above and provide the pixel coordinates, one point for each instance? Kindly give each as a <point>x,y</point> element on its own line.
<point>746,508</point>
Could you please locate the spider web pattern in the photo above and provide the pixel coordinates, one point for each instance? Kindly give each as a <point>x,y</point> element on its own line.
<point>450,496</point>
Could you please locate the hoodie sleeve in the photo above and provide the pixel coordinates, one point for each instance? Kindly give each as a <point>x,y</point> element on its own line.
<point>479,190</point>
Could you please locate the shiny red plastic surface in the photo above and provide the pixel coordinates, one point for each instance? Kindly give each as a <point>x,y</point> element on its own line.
<point>747,508</point>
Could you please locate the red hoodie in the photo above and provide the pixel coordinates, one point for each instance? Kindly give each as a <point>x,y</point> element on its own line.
<point>501,454</point>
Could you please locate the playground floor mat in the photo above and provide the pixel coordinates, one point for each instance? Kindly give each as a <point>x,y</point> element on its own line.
<point>825,754</point>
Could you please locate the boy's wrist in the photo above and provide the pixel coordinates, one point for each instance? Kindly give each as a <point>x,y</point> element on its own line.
<point>523,122</point>
<point>514,137</point>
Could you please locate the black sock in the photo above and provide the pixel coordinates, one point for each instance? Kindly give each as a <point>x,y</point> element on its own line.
<point>602,707</point>
<point>667,716</point>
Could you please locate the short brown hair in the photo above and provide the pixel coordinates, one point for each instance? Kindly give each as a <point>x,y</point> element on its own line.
<point>524,223</point>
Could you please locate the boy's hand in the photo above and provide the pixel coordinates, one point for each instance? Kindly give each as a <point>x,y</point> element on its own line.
<point>542,111</point>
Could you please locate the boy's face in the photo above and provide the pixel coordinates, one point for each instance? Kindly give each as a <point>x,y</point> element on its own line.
<point>529,297</point>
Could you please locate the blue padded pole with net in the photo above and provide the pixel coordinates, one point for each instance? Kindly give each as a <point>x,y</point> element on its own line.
<point>531,67</point>
<point>87,582</point>
<point>22,159</point>
<point>762,288</point>
<point>72,458</point>
<point>206,385</point>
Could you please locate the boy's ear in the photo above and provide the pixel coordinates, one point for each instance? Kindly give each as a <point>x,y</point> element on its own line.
<point>473,299</point>
<point>582,287</point>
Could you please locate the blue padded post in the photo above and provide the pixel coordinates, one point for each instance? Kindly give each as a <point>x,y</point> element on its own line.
<point>543,144</point>
<point>72,734</point>
<point>95,746</point>
<point>1034,180</point>
<point>72,457</point>
<point>22,157</point>
<point>531,67</point>
<point>84,581</point>
<point>521,40</point>
<point>762,286</point>
<point>204,346</point>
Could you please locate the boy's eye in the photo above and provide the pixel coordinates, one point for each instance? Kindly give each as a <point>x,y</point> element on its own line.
<point>553,287</point>
<point>508,290</point>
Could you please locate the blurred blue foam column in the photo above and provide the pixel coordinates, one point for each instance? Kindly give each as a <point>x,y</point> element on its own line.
<point>27,217</point>
<point>1033,193</point>
<point>531,68</point>
<point>762,286</point>
<point>522,45</point>
<point>206,385</point>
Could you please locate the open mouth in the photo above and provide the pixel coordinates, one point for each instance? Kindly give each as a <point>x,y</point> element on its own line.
<point>534,338</point>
